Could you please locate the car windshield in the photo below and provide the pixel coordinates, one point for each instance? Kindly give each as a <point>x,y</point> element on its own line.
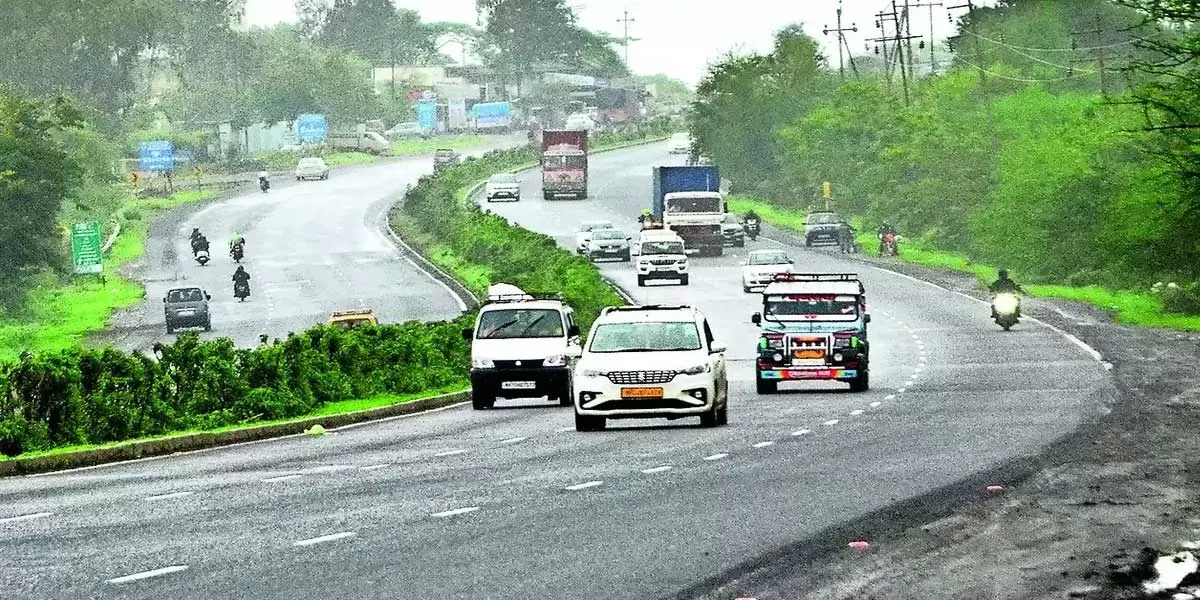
<point>595,226</point>
<point>670,336</point>
<point>311,162</point>
<point>812,306</point>
<point>504,179</point>
<point>768,258</point>
<point>732,220</point>
<point>824,219</point>
<point>512,323</point>
<point>693,205</point>
<point>444,153</point>
<point>192,295</point>
<point>608,234</point>
<point>662,247</point>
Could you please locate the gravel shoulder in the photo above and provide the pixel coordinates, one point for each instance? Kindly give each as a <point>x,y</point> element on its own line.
<point>1082,520</point>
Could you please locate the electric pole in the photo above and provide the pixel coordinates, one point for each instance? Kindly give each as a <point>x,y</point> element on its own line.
<point>908,41</point>
<point>842,43</point>
<point>1100,54</point>
<point>625,20</point>
<point>901,38</point>
<point>970,6</point>
<point>932,59</point>
<point>881,18</point>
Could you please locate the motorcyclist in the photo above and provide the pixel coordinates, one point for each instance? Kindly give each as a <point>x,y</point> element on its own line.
<point>884,229</point>
<point>195,234</point>
<point>750,214</point>
<point>264,180</point>
<point>1003,285</point>
<point>846,237</point>
<point>236,239</point>
<point>241,276</point>
<point>198,244</point>
<point>645,218</point>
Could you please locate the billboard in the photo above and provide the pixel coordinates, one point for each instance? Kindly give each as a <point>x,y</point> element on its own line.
<point>458,113</point>
<point>311,129</point>
<point>492,114</point>
<point>427,115</point>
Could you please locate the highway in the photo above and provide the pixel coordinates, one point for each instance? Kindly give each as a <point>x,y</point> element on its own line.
<point>513,503</point>
<point>312,247</point>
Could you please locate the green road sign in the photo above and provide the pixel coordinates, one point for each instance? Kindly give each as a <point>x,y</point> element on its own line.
<point>86,250</point>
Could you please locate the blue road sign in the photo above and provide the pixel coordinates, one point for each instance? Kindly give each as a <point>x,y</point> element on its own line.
<point>311,129</point>
<point>427,115</point>
<point>158,155</point>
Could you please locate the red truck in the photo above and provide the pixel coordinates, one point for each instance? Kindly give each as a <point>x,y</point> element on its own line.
<point>564,163</point>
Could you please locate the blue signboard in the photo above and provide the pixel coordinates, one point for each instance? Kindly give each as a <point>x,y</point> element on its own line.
<point>311,129</point>
<point>158,155</point>
<point>492,114</point>
<point>427,115</point>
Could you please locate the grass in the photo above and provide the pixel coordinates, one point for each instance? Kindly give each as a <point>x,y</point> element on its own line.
<point>333,408</point>
<point>1129,307</point>
<point>285,160</point>
<point>62,310</point>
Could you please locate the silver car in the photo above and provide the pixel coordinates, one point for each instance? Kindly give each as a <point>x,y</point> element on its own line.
<point>312,167</point>
<point>609,243</point>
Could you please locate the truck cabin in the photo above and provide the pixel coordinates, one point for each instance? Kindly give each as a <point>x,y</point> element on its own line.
<point>808,298</point>
<point>698,203</point>
<point>350,319</point>
<point>564,157</point>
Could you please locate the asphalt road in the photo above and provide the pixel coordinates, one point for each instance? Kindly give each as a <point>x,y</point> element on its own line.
<point>312,247</point>
<point>512,503</point>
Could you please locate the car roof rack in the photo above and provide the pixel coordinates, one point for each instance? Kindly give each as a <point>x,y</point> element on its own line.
<point>644,307</point>
<point>816,277</point>
<point>524,297</point>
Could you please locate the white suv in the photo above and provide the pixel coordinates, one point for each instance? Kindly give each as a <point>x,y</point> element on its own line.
<point>650,361</point>
<point>661,255</point>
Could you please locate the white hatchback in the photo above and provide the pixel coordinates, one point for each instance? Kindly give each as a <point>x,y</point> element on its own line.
<point>312,167</point>
<point>650,361</point>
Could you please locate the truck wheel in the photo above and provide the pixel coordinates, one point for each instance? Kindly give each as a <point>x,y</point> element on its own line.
<point>170,329</point>
<point>683,280</point>
<point>208,325</point>
<point>861,383</point>
<point>715,417</point>
<point>481,400</point>
<point>627,257</point>
<point>740,243</point>
<point>583,196</point>
<point>765,386</point>
<point>718,251</point>
<point>547,196</point>
<point>641,281</point>
<point>808,242</point>
<point>589,423</point>
<point>566,396</point>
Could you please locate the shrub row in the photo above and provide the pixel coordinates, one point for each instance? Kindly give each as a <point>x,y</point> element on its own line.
<point>504,251</point>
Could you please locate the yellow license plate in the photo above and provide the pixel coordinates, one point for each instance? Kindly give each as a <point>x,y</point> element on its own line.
<point>652,392</point>
<point>809,354</point>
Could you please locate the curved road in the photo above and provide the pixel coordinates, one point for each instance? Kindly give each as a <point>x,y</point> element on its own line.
<point>313,247</point>
<point>512,503</point>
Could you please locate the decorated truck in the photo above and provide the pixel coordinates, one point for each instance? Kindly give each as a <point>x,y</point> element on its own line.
<point>564,163</point>
<point>688,201</point>
<point>813,327</point>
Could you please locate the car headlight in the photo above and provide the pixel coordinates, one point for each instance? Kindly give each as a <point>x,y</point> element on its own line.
<point>483,363</point>
<point>696,370</point>
<point>558,360</point>
<point>592,373</point>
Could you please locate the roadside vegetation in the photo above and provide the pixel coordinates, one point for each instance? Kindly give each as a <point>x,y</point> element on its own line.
<point>1022,164</point>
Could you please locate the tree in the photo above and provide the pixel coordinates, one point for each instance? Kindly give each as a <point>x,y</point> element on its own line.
<point>372,29</point>
<point>295,77</point>
<point>529,34</point>
<point>37,174</point>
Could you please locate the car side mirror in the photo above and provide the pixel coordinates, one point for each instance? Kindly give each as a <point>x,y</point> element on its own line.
<point>717,348</point>
<point>791,261</point>
<point>756,318</point>
<point>867,319</point>
<point>164,300</point>
<point>467,334</point>
<point>573,331</point>
<point>207,296</point>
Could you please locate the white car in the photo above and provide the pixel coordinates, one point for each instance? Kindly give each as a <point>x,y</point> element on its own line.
<point>761,267</point>
<point>681,143</point>
<point>583,236</point>
<point>410,129</point>
<point>504,185</point>
<point>661,257</point>
<point>312,167</point>
<point>650,361</point>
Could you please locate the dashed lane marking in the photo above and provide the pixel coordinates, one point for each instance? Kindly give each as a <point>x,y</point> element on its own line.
<point>514,440</point>
<point>375,467</point>
<point>654,470</point>
<point>584,486</point>
<point>281,478</point>
<point>148,574</point>
<point>901,390</point>
<point>450,453</point>
<point>876,404</point>
<point>832,422</point>
<point>169,496</point>
<point>716,456</point>
<point>800,432</point>
<point>455,512</point>
<point>28,517</point>
<point>855,413</point>
<point>764,444</point>
<point>333,537</point>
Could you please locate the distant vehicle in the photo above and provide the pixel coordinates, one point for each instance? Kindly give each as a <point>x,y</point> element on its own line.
<point>580,122</point>
<point>370,142</point>
<point>312,167</point>
<point>688,201</point>
<point>733,231</point>
<point>445,157</point>
<point>503,185</point>
<point>661,257</point>
<point>680,143</point>
<point>609,243</point>
<point>187,307</point>
<point>564,163</point>
<point>350,319</point>
<point>651,361</point>
<point>584,234</point>
<point>408,129</point>
<point>762,266</point>
<point>823,227</point>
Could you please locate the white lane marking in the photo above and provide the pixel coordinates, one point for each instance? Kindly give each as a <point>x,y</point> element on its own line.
<point>455,512</point>
<point>907,383</point>
<point>875,404</point>
<point>584,486</point>
<point>654,470</point>
<point>450,453</point>
<point>514,440</point>
<point>764,444</point>
<point>802,432</point>
<point>148,574</point>
<point>170,496</point>
<point>564,430</point>
<point>716,456</point>
<point>855,413</point>
<point>28,517</point>
<point>333,537</point>
<point>890,397</point>
<point>282,478</point>
<point>901,390</point>
<point>832,422</point>
<point>375,467</point>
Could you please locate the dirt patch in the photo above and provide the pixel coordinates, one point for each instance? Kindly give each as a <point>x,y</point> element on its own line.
<point>1088,523</point>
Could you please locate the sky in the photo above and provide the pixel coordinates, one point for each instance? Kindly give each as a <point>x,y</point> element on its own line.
<point>680,38</point>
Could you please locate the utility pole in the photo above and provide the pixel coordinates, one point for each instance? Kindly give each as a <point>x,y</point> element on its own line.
<point>902,39</point>
<point>842,44</point>
<point>881,18</point>
<point>932,59</point>
<point>970,6</point>
<point>908,43</point>
<point>1100,53</point>
<point>625,20</point>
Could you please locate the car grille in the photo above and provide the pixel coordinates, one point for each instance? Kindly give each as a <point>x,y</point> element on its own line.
<point>512,364</point>
<point>640,377</point>
<point>662,261</point>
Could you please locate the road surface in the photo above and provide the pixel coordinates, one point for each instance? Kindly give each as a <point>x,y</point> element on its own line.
<point>513,504</point>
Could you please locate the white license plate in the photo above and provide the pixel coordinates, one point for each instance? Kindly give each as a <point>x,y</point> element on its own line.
<point>518,385</point>
<point>664,269</point>
<point>612,250</point>
<point>187,313</point>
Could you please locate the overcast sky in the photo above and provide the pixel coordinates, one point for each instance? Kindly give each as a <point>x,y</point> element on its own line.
<point>680,37</point>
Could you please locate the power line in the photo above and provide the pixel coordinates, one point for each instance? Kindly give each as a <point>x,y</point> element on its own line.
<point>1009,77</point>
<point>1014,50</point>
<point>1028,49</point>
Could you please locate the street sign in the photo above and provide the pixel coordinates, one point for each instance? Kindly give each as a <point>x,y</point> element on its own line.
<point>311,129</point>
<point>427,115</point>
<point>86,249</point>
<point>157,155</point>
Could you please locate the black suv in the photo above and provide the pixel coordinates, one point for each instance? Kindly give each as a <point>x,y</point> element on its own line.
<point>187,307</point>
<point>823,227</point>
<point>444,157</point>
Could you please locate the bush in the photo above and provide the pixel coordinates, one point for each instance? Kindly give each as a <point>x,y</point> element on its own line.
<point>1181,299</point>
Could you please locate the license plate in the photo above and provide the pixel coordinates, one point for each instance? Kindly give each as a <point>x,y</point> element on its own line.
<point>653,392</point>
<point>518,385</point>
<point>612,250</point>
<point>664,268</point>
<point>809,354</point>
<point>187,313</point>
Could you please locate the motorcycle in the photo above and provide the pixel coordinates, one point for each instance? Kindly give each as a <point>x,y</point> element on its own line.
<point>752,228</point>
<point>241,290</point>
<point>887,244</point>
<point>1006,310</point>
<point>202,257</point>
<point>237,253</point>
<point>264,184</point>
